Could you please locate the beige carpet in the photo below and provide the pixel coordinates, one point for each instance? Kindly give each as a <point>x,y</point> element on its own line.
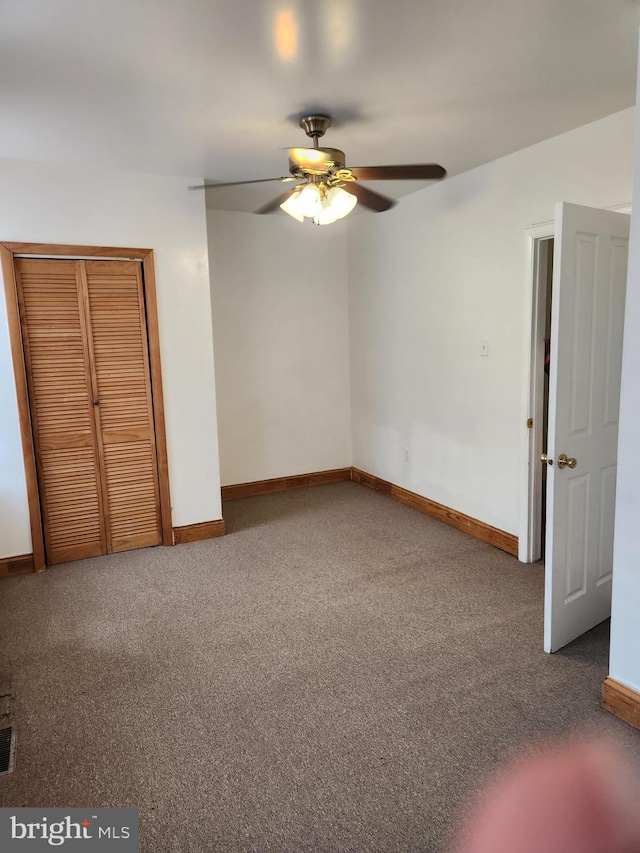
<point>335,674</point>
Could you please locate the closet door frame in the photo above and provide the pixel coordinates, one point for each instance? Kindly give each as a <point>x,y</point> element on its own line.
<point>8,250</point>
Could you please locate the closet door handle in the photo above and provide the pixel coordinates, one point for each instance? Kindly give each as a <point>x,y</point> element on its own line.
<point>96,402</point>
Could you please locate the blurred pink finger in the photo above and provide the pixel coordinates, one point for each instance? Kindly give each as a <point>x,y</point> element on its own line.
<point>577,799</point>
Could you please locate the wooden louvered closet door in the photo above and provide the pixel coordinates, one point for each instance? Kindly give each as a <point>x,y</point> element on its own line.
<point>85,343</point>
<point>126,434</point>
<point>61,398</point>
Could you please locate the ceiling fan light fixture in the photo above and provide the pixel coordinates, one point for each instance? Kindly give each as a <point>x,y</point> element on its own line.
<point>292,206</point>
<point>327,215</point>
<point>310,200</point>
<point>342,202</point>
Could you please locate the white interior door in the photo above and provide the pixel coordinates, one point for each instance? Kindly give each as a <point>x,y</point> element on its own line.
<point>589,284</point>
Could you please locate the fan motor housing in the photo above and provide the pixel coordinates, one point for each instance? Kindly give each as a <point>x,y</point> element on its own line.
<point>334,160</point>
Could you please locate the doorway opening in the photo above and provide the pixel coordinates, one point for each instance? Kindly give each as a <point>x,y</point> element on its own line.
<point>541,246</point>
<point>589,282</point>
<point>545,248</point>
<point>540,241</point>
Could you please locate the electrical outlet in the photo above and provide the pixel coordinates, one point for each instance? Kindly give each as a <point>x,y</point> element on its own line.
<point>407,458</point>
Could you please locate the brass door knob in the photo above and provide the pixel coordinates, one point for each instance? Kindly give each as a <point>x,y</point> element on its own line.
<point>547,459</point>
<point>565,461</point>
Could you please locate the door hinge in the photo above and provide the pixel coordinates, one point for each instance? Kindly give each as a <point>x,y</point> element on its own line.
<point>530,423</point>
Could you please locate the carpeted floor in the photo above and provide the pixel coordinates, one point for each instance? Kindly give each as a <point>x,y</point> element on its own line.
<point>336,674</point>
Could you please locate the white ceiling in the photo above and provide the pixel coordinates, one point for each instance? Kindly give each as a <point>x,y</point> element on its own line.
<point>214,87</point>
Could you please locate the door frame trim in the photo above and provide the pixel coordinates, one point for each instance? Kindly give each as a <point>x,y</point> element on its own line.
<point>530,492</point>
<point>8,251</point>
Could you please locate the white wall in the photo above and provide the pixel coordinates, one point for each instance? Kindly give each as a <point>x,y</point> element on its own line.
<point>433,277</point>
<point>624,662</point>
<point>279,292</point>
<point>58,204</point>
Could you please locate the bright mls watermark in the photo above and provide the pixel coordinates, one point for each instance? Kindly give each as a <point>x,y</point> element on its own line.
<point>69,829</point>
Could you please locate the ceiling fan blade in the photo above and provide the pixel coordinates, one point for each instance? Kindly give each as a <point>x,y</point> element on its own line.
<point>367,197</point>
<point>415,172</point>
<point>275,203</point>
<point>240,183</point>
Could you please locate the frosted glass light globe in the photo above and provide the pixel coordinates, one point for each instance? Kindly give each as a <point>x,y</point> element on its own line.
<point>327,214</point>
<point>341,201</point>
<point>310,201</point>
<point>292,206</point>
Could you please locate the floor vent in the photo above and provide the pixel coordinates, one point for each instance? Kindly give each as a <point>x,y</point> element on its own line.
<point>6,751</point>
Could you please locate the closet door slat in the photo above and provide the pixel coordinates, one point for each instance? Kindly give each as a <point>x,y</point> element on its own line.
<point>57,363</point>
<point>121,365</point>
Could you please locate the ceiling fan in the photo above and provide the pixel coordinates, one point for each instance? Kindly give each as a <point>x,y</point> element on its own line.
<point>326,189</point>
